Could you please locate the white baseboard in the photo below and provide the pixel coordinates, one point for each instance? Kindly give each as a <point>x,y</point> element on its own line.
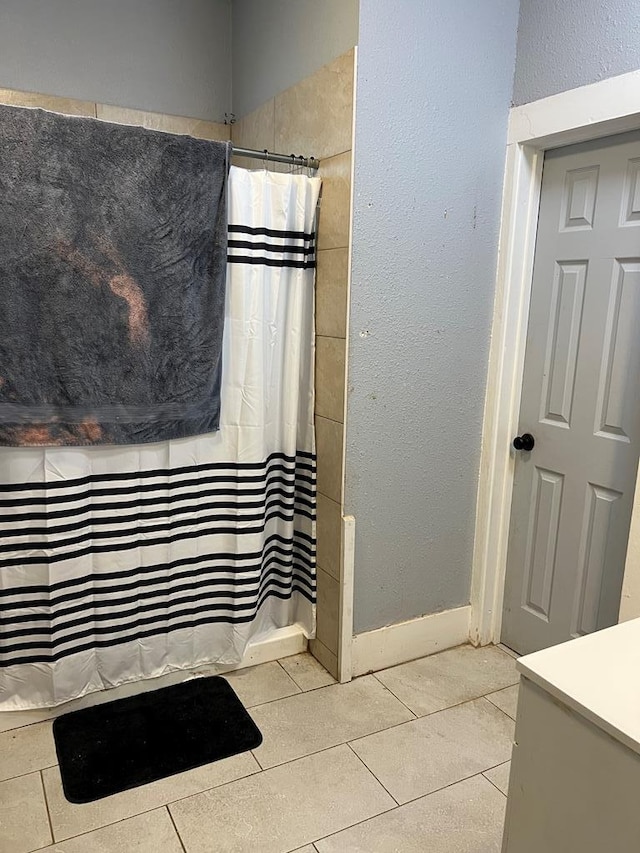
<point>280,643</point>
<point>405,641</point>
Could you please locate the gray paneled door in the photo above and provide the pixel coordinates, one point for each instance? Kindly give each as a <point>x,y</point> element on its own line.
<point>573,491</point>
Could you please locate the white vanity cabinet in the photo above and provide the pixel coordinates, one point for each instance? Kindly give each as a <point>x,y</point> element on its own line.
<point>575,773</point>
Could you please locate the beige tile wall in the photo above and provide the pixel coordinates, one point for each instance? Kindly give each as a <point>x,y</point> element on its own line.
<point>315,118</point>
<point>119,115</point>
<point>159,121</point>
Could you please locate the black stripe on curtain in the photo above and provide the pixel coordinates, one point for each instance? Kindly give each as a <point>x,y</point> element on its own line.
<point>272,232</point>
<point>164,628</point>
<point>271,247</point>
<point>43,623</point>
<point>307,465</point>
<point>271,262</point>
<point>286,248</point>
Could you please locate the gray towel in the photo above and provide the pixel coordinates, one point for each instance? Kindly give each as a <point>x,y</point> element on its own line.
<point>112,281</point>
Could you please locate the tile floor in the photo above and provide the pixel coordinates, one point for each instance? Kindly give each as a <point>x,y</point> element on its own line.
<point>414,758</point>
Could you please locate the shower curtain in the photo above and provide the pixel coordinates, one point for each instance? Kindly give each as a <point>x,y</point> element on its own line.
<point>124,563</point>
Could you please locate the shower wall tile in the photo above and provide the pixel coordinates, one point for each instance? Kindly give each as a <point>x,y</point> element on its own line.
<point>329,452</point>
<point>315,116</point>
<point>329,528</point>
<point>332,281</point>
<point>335,209</point>
<point>69,819</point>
<point>322,654</point>
<point>159,121</point>
<point>327,625</point>
<point>330,355</point>
<point>255,130</point>
<point>24,825</point>
<point>54,103</point>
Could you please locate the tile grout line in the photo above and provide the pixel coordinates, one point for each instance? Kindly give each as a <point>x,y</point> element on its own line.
<point>500,689</point>
<point>173,823</point>
<point>480,773</point>
<point>46,805</point>
<point>333,338</point>
<point>324,417</point>
<point>496,766</point>
<point>302,690</point>
<point>25,725</point>
<point>291,678</point>
<point>493,783</point>
<point>331,156</point>
<point>369,770</point>
<point>366,819</point>
<point>415,716</point>
<point>28,773</point>
<point>487,697</point>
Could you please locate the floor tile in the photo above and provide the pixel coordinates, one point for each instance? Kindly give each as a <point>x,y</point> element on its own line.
<point>307,673</point>
<point>323,718</point>
<point>25,750</point>
<point>424,755</point>
<point>308,849</point>
<point>69,819</point>
<point>264,683</point>
<point>283,808</point>
<point>464,818</point>
<point>24,825</point>
<point>500,776</point>
<point>506,700</point>
<point>152,832</point>
<point>448,678</point>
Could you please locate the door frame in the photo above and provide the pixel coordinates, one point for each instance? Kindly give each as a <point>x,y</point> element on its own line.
<point>579,115</point>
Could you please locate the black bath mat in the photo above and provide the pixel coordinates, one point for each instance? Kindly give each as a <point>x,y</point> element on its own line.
<point>130,742</point>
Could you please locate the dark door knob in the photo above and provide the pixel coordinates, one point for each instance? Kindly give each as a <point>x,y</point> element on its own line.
<point>524,442</point>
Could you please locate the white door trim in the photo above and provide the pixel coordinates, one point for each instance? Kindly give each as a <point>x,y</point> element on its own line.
<point>590,112</point>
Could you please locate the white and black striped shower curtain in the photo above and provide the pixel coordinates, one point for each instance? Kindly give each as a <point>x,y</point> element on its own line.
<point>124,563</point>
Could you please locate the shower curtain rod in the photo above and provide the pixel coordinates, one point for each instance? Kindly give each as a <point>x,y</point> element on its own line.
<point>292,159</point>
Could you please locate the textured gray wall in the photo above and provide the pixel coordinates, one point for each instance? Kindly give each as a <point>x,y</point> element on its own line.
<point>433,94</point>
<point>167,56</point>
<point>563,44</point>
<point>277,43</point>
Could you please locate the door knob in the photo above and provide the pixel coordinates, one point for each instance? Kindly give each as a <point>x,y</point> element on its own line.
<point>524,442</point>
